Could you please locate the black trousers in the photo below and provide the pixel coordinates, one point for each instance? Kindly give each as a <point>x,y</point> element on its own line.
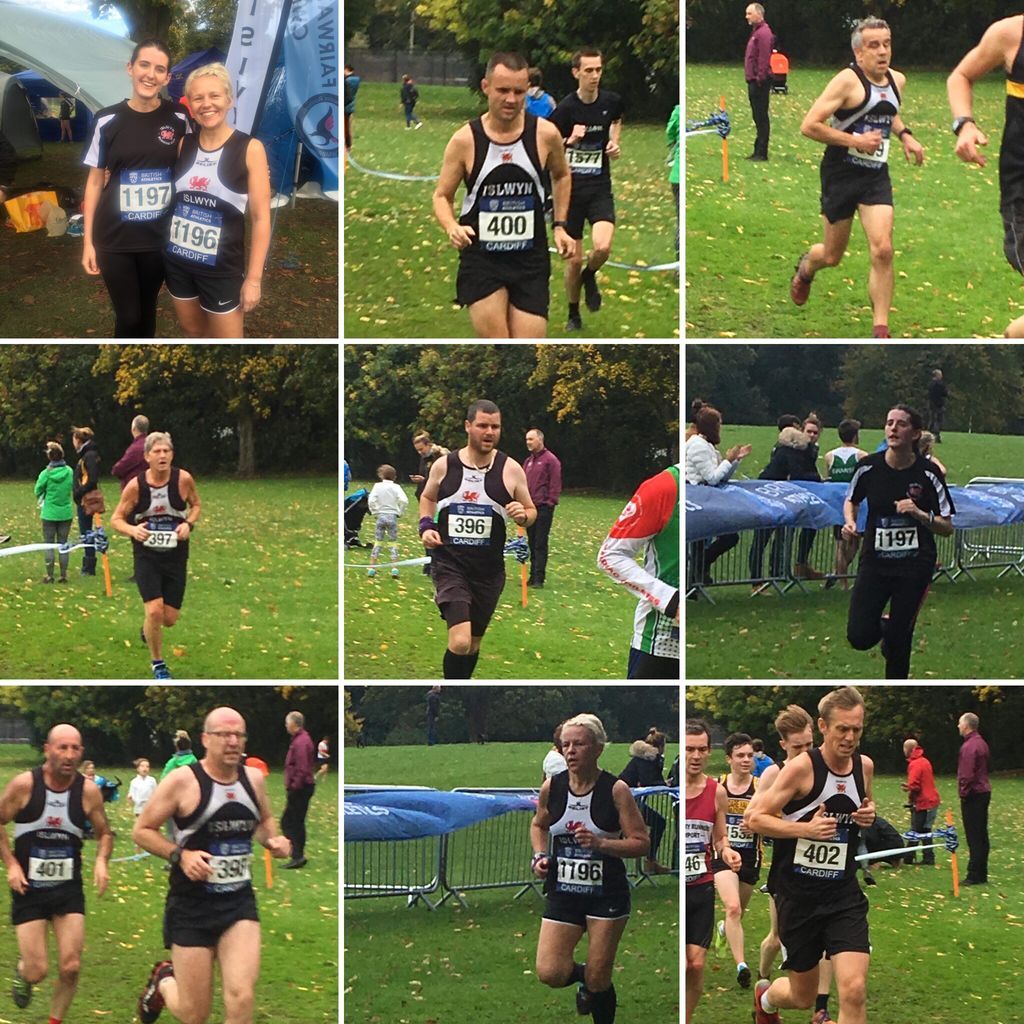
<point>776,565</point>
<point>759,95</point>
<point>938,414</point>
<point>293,821</point>
<point>705,552</point>
<point>974,811</point>
<point>924,821</point>
<point>904,595</point>
<point>537,535</point>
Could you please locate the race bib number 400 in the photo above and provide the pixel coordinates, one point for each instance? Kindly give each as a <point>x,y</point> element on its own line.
<point>822,858</point>
<point>49,867</point>
<point>144,194</point>
<point>506,224</point>
<point>585,159</point>
<point>230,864</point>
<point>195,234</point>
<point>470,524</point>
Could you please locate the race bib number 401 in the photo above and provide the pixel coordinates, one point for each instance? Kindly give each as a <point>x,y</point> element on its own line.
<point>506,224</point>
<point>144,194</point>
<point>195,234</point>
<point>50,867</point>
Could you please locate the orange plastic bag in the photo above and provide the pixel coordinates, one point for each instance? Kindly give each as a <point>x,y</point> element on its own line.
<point>24,210</point>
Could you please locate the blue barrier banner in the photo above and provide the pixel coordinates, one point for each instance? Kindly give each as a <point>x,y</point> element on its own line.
<point>764,504</point>
<point>415,814</point>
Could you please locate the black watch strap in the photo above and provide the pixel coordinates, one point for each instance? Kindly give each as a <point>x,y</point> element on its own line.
<point>560,224</point>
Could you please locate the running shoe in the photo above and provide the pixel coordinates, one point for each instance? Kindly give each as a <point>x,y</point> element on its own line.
<point>800,284</point>
<point>574,324</point>
<point>821,1017</point>
<point>394,572</point>
<point>21,991</point>
<point>151,1002</point>
<point>760,1016</point>
<point>591,292</point>
<point>743,976</point>
<point>371,572</point>
<point>162,672</point>
<point>584,1001</point>
<point>720,937</point>
<point>4,537</point>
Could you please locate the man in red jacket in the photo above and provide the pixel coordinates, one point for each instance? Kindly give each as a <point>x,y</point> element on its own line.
<point>758,72</point>
<point>924,797</point>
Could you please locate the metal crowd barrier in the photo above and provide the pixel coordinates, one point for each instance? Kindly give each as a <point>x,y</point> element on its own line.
<point>490,854</point>
<point>999,547</point>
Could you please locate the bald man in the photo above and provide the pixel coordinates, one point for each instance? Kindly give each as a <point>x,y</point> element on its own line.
<point>217,806</point>
<point>49,806</point>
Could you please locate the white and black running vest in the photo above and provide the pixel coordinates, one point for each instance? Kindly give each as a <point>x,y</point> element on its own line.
<point>471,516</point>
<point>504,202</point>
<point>821,869</point>
<point>576,871</point>
<point>48,834</point>
<point>211,193</point>
<point>161,509</point>
<point>222,824</point>
<point>880,105</point>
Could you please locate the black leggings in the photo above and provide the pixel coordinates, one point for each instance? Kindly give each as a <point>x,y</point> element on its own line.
<point>133,280</point>
<point>904,595</point>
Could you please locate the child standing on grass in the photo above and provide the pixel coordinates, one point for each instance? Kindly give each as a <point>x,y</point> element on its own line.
<point>141,789</point>
<point>387,502</point>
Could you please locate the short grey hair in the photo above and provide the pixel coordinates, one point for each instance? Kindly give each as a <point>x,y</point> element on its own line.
<point>857,38</point>
<point>759,8</point>
<point>970,719</point>
<point>296,718</point>
<point>592,724</point>
<point>157,437</point>
<point>140,424</point>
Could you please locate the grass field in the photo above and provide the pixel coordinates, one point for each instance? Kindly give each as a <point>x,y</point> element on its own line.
<point>400,268</point>
<point>743,238</point>
<point>261,601</point>
<point>51,296</point>
<point>934,957</point>
<point>409,966</point>
<point>578,627</point>
<point>968,630</point>
<point>123,936</point>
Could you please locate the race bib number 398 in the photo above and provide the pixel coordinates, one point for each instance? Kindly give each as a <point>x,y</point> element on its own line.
<point>230,864</point>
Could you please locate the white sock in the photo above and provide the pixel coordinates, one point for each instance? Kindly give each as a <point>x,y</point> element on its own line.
<point>741,965</point>
<point>765,1005</point>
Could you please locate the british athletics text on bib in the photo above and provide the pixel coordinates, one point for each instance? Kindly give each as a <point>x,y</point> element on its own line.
<point>580,870</point>
<point>50,866</point>
<point>506,223</point>
<point>144,194</point>
<point>195,234</point>
<point>470,523</point>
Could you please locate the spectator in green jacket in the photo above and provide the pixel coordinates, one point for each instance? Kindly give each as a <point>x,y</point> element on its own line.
<point>182,753</point>
<point>672,140</point>
<point>53,492</point>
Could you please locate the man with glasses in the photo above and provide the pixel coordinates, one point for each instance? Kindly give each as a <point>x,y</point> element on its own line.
<point>218,807</point>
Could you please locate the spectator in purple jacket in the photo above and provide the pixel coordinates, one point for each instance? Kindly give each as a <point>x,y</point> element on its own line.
<point>758,72</point>
<point>133,462</point>
<point>975,795</point>
<point>299,786</point>
<point>544,480</point>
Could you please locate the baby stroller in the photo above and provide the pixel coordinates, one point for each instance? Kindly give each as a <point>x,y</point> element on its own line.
<point>779,64</point>
<point>109,791</point>
<point>357,504</point>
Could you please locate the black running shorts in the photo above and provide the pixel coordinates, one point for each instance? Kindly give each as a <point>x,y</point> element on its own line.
<point>592,206</point>
<point>700,914</point>
<point>574,910</point>
<point>203,922</point>
<point>843,191</point>
<point>526,278</point>
<point>1013,234</point>
<point>220,294</point>
<point>45,904</point>
<point>161,575</point>
<point>810,928</point>
<point>462,598</point>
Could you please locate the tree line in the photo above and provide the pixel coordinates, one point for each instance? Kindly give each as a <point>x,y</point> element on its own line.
<point>892,714</point>
<point>243,408</point>
<point>390,715</point>
<point>609,412</point>
<point>755,384</point>
<point>933,34</point>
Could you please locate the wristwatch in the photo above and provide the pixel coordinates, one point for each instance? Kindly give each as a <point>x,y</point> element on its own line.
<point>174,857</point>
<point>959,122</point>
<point>559,223</point>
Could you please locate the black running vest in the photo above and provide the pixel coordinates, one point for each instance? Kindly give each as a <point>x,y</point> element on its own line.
<point>48,835</point>
<point>1011,149</point>
<point>158,515</point>
<point>875,112</point>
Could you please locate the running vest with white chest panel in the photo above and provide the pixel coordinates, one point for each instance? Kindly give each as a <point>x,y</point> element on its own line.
<point>844,463</point>
<point>504,202</point>
<point>222,824</point>
<point>471,516</point>
<point>876,111</point>
<point>820,869</point>
<point>48,834</point>
<point>576,870</point>
<point>212,190</point>
<point>161,509</point>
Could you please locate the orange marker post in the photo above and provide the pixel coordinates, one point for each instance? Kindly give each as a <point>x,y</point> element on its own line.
<point>97,523</point>
<point>521,532</point>
<point>725,146</point>
<point>268,861</point>
<point>952,859</point>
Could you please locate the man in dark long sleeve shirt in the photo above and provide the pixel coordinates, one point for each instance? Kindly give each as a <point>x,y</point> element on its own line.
<point>757,70</point>
<point>544,481</point>
<point>299,786</point>
<point>937,395</point>
<point>975,795</point>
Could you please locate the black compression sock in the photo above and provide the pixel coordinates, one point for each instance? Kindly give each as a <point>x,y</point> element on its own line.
<point>471,660</point>
<point>604,1006</point>
<point>578,975</point>
<point>821,1003</point>
<point>458,666</point>
<point>574,309</point>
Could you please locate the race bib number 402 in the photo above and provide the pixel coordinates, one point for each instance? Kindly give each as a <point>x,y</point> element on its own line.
<point>822,858</point>
<point>144,194</point>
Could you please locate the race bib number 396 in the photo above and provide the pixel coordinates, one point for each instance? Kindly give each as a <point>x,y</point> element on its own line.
<point>230,864</point>
<point>470,524</point>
